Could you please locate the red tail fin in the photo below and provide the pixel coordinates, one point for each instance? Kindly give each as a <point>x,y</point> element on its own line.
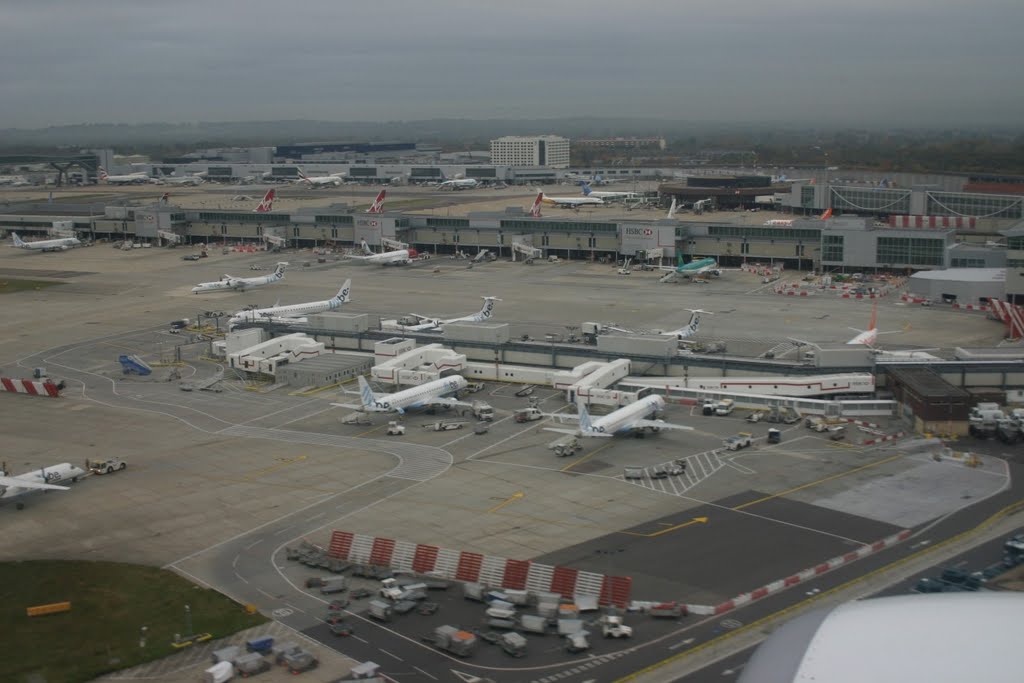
<point>828,214</point>
<point>266,205</point>
<point>378,203</point>
<point>102,173</point>
<point>874,316</point>
<point>535,209</point>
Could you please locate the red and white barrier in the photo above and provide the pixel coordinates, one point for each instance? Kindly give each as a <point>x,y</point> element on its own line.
<point>498,572</point>
<point>883,439</point>
<point>933,222</point>
<point>970,307</point>
<point>860,423</point>
<point>31,387</point>
<point>801,577</point>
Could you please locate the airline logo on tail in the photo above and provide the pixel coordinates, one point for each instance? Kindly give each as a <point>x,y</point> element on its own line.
<point>585,424</point>
<point>586,188</point>
<point>18,242</point>
<point>343,293</point>
<point>103,173</point>
<point>266,205</point>
<point>535,209</point>
<point>672,209</point>
<point>366,393</point>
<point>366,248</point>
<point>828,214</point>
<point>378,203</point>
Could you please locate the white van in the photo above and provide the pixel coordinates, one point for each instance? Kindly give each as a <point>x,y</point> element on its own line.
<point>724,406</point>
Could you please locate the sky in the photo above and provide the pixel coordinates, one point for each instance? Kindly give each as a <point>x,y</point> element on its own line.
<point>858,62</point>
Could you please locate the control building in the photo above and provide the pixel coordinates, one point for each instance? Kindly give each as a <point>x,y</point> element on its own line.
<point>550,151</point>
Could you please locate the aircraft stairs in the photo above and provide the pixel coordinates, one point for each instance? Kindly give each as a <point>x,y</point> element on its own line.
<point>133,364</point>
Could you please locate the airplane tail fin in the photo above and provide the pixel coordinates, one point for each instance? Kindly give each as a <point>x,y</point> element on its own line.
<point>302,176</point>
<point>488,308</point>
<point>103,173</point>
<point>267,204</point>
<point>535,209</point>
<point>365,393</point>
<point>366,248</point>
<point>828,214</point>
<point>18,242</point>
<point>586,188</point>
<point>280,268</point>
<point>585,424</point>
<point>874,316</point>
<point>344,294</point>
<point>672,209</point>
<point>378,203</point>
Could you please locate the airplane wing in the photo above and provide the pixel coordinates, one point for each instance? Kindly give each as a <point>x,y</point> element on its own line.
<point>353,406</point>
<point>658,424</point>
<point>15,482</point>
<point>576,432</point>
<point>446,402</point>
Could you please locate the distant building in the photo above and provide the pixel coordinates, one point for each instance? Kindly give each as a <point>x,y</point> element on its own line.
<point>550,151</point>
<point>621,143</point>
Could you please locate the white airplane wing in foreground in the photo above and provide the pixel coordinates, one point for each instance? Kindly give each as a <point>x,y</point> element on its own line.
<point>16,482</point>
<point>659,424</point>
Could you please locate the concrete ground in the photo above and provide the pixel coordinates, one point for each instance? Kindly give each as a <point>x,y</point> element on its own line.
<point>218,483</point>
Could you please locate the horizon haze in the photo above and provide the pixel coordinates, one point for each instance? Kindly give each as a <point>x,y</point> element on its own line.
<point>795,61</point>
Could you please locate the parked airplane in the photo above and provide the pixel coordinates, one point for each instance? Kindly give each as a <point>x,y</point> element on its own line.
<point>62,244</point>
<point>190,179</point>
<point>45,479</point>
<point>399,257</point>
<point>334,179</point>
<point>694,268</point>
<point>535,209</point>
<point>785,222</point>
<point>689,330</point>
<point>267,203</point>
<point>378,203</point>
<point>293,311</point>
<point>570,202</point>
<point>459,184</point>
<point>425,323</point>
<point>672,209</point>
<point>128,179</point>
<point>241,284</point>
<point>869,336</point>
<point>602,194</point>
<point>429,394</point>
<point>628,419</point>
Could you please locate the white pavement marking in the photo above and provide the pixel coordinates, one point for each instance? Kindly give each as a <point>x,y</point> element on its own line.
<point>425,673</point>
<point>681,643</point>
<point>390,655</point>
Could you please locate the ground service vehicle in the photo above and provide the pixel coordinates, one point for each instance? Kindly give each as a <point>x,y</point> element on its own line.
<point>577,642</point>
<point>668,610</point>
<point>251,664</point>
<point>612,627</point>
<point>528,414</point>
<point>381,610</point>
<point>735,443</point>
<point>390,589</point>
<point>513,644</point>
<point>107,466</point>
<point>300,661</point>
<point>395,429</point>
<point>725,406</point>
<point>448,638</point>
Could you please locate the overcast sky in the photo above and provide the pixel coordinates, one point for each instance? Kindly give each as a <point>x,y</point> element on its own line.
<point>861,61</point>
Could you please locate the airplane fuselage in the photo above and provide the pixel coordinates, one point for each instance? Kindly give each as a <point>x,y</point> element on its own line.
<point>622,419</point>
<point>57,475</point>
<point>418,396</point>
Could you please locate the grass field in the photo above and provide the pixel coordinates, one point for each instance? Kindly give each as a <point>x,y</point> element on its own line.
<point>110,602</point>
<point>11,285</point>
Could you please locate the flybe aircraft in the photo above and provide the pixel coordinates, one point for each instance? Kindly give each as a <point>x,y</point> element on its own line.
<point>627,419</point>
<point>241,284</point>
<point>293,312</point>
<point>425,395</point>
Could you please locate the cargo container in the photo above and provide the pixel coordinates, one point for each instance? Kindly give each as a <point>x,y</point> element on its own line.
<point>251,664</point>
<point>474,591</point>
<point>513,644</point>
<point>459,643</point>
<point>533,623</point>
<point>226,654</point>
<point>380,610</point>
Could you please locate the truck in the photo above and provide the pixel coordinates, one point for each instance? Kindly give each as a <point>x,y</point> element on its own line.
<point>390,589</point>
<point>395,429</point>
<point>380,610</point>
<point>984,419</point>
<point>577,642</point>
<point>725,406</point>
<point>251,664</point>
<point>107,466</point>
<point>279,650</point>
<point>513,644</point>
<point>474,591</point>
<point>443,426</point>
<point>451,639</point>
<point>738,441</point>
<point>613,627</point>
<point>333,584</point>
<point>1010,429</point>
<point>530,414</point>
<point>482,411</point>
<point>533,623</point>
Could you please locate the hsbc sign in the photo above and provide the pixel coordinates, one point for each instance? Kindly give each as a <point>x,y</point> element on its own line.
<point>643,237</point>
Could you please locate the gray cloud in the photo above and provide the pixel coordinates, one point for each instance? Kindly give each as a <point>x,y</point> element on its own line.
<point>871,62</point>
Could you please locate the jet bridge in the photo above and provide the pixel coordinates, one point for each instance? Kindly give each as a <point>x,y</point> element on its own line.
<point>265,358</point>
<point>592,387</point>
<point>393,245</point>
<point>171,237</point>
<point>407,364</point>
<point>527,252</point>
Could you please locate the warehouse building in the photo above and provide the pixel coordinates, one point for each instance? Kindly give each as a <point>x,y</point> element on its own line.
<point>959,285</point>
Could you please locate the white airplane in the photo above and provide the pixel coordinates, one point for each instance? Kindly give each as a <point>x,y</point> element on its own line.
<point>190,179</point>
<point>425,395</point>
<point>399,257</point>
<point>607,194</point>
<point>293,312</point>
<point>869,336</point>
<point>459,184</point>
<point>334,179</point>
<point>129,179</point>
<point>786,222</point>
<point>427,323</point>
<point>672,209</point>
<point>46,479</point>
<point>689,330</point>
<point>266,205</point>
<point>241,284</point>
<point>62,244</point>
<point>570,202</point>
<point>628,419</point>
<point>378,203</point>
